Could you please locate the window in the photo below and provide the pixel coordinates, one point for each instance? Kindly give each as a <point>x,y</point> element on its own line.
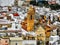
<point>51,39</point>
<point>6,41</point>
<point>31,17</point>
<point>16,44</point>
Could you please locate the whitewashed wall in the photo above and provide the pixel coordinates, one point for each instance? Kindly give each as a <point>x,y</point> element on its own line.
<point>29,42</point>
<point>6,2</point>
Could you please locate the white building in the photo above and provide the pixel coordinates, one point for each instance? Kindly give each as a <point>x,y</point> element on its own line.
<point>16,41</point>
<point>6,2</point>
<point>29,42</point>
<point>53,40</point>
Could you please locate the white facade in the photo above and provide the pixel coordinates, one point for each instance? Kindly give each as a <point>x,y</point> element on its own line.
<point>29,42</point>
<point>58,1</point>
<point>6,2</point>
<point>20,2</point>
<point>16,41</point>
<point>53,40</point>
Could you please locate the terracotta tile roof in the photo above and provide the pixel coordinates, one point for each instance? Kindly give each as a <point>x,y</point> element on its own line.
<point>15,14</point>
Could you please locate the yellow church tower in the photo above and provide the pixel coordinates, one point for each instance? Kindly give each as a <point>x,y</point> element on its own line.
<point>30,18</point>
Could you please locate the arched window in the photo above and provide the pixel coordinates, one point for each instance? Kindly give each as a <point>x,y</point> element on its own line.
<point>31,17</point>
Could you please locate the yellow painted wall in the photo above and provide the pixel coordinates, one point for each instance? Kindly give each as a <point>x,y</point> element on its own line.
<point>47,31</point>
<point>39,31</point>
